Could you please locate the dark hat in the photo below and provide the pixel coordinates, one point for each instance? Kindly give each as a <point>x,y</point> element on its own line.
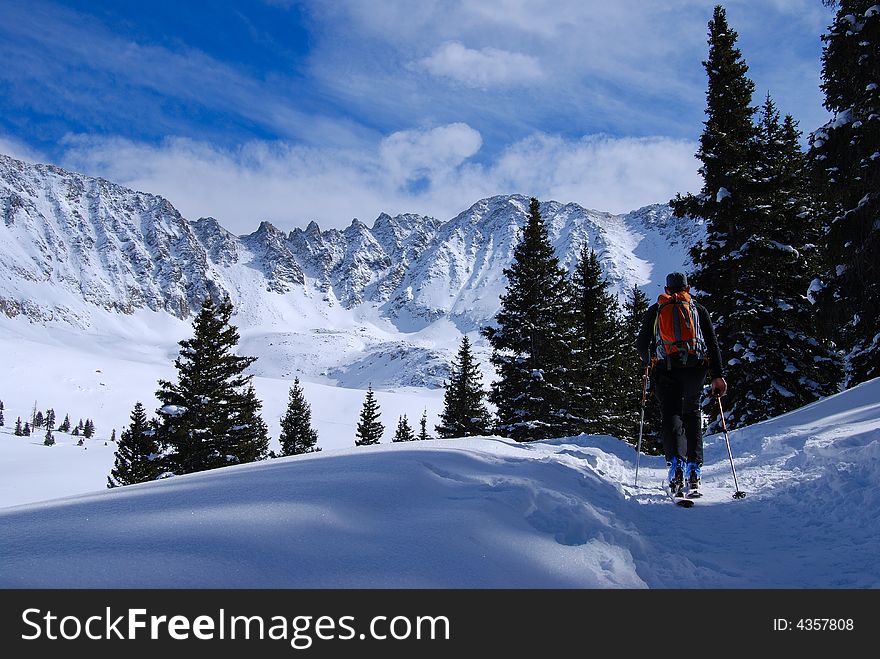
<point>676,281</point>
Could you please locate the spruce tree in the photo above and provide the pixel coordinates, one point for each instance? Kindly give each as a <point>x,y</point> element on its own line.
<point>49,439</point>
<point>846,166</point>
<point>778,361</point>
<point>596,381</point>
<point>210,416</point>
<point>464,410</point>
<point>2,420</point>
<point>530,348</point>
<point>18,430</point>
<point>404,432</point>
<point>27,429</point>
<point>65,425</point>
<point>137,454</point>
<point>423,426</point>
<point>726,203</point>
<point>249,440</point>
<point>634,310</point>
<point>369,428</point>
<point>88,429</point>
<point>297,434</point>
<point>113,435</point>
<point>38,420</point>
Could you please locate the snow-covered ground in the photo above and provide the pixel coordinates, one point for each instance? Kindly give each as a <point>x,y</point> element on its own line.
<point>478,512</point>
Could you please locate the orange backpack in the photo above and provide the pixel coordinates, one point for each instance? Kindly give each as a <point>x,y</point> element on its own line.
<point>677,331</point>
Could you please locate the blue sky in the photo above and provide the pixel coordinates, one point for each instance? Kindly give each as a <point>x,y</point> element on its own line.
<point>293,110</point>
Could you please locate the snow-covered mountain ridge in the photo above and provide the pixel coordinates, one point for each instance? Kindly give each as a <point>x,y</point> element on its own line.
<point>77,252</point>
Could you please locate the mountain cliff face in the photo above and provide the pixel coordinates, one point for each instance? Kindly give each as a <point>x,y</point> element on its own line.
<point>71,245</point>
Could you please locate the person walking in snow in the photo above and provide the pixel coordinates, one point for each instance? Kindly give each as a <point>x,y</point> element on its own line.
<point>678,339</point>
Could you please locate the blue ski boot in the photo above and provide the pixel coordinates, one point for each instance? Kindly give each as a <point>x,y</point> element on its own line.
<point>693,480</point>
<point>676,477</point>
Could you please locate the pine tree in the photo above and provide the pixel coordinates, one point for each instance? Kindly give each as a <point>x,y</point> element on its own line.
<point>75,432</point>
<point>249,441</point>
<point>80,426</point>
<point>529,341</point>
<point>113,435</point>
<point>49,438</point>
<point>596,377</point>
<point>38,420</point>
<point>726,202</point>
<point>404,432</point>
<point>88,429</point>
<point>464,410</point>
<point>18,430</point>
<point>369,428</point>
<point>847,171</point>
<point>2,420</point>
<point>27,429</point>
<point>210,416</point>
<point>778,362</point>
<point>634,310</point>
<point>423,427</point>
<point>297,434</point>
<point>65,425</point>
<point>137,454</point>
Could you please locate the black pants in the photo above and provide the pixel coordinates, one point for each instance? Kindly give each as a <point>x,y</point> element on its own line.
<point>679,390</point>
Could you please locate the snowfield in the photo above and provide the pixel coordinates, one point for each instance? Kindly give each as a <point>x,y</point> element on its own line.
<point>476,513</point>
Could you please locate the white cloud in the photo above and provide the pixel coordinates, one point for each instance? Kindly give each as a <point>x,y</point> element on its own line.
<point>414,154</point>
<point>481,68</point>
<point>12,147</point>
<point>290,185</point>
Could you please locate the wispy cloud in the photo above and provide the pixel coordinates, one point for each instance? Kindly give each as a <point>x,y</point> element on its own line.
<point>291,185</point>
<point>20,151</point>
<point>487,67</point>
<point>71,65</point>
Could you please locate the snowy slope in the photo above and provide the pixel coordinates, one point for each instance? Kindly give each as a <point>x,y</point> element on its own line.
<point>484,512</point>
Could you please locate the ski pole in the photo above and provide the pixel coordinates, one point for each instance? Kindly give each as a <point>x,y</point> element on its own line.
<point>738,494</point>
<point>642,421</point>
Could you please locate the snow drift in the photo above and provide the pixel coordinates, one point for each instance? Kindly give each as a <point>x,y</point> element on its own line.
<point>484,512</point>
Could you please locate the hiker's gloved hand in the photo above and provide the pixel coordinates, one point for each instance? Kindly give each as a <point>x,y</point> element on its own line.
<point>719,386</point>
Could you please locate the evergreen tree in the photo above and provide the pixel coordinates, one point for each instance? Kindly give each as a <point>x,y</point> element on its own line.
<point>113,435</point>
<point>65,425</point>
<point>2,420</point>
<point>88,429</point>
<point>80,426</point>
<point>778,362</point>
<point>27,429</point>
<point>49,438</point>
<point>847,170</point>
<point>249,441</point>
<point>369,428</point>
<point>297,434</point>
<point>634,310</point>
<point>18,430</point>
<point>404,432</point>
<point>137,454</point>
<point>38,420</point>
<point>423,427</point>
<point>210,416</point>
<point>726,202</point>
<point>529,343</point>
<point>75,432</point>
<point>596,378</point>
<point>464,410</point>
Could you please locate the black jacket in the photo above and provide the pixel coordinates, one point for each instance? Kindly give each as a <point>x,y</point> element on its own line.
<point>646,344</point>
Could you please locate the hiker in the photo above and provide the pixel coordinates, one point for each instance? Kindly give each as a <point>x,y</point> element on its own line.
<point>678,340</point>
